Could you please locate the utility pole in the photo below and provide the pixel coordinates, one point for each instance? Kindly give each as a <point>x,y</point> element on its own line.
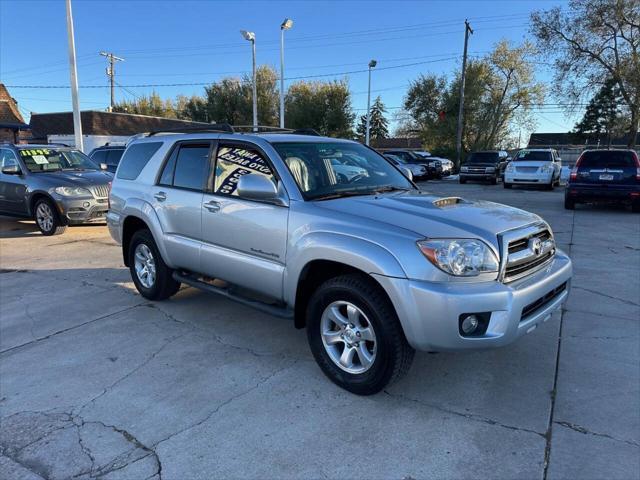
<point>111,73</point>
<point>467,31</point>
<point>286,25</point>
<point>77,122</point>
<point>372,64</point>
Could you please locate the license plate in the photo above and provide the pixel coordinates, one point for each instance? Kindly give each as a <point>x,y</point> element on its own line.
<point>606,176</point>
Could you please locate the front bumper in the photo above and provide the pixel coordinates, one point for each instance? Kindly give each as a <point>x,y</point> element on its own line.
<point>82,210</point>
<point>478,176</point>
<point>528,178</point>
<point>430,312</point>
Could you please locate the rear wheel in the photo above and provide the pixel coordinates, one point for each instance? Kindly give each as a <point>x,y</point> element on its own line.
<point>151,276</point>
<point>355,335</point>
<point>47,218</point>
<point>569,203</point>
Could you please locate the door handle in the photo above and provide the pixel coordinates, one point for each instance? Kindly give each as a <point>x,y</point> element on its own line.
<point>160,196</point>
<point>212,206</point>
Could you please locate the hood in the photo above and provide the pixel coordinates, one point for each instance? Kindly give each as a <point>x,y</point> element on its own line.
<point>418,213</point>
<point>69,178</point>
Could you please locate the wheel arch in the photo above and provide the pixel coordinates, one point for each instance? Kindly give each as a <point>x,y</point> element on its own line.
<point>41,194</point>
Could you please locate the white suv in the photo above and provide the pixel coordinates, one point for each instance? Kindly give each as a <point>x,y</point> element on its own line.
<point>539,166</point>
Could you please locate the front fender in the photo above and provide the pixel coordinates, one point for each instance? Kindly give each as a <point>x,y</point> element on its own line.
<point>356,252</point>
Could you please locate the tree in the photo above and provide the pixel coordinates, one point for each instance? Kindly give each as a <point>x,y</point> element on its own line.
<point>192,108</point>
<point>378,125</point>
<point>603,114</point>
<point>147,105</point>
<point>591,42</point>
<point>323,106</point>
<point>500,93</point>
<point>230,99</point>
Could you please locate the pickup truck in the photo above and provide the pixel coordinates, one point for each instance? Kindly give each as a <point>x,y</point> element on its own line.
<point>371,266</point>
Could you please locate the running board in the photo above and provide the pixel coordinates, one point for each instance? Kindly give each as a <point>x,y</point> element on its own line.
<point>282,312</point>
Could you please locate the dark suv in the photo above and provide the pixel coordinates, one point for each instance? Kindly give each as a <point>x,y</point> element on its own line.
<point>434,167</point>
<point>487,166</point>
<point>605,176</point>
<point>55,185</point>
<point>108,155</point>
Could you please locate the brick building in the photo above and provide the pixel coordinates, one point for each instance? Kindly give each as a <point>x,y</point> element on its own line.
<point>11,121</point>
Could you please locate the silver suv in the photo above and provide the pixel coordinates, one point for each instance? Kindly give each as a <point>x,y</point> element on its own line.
<point>371,266</point>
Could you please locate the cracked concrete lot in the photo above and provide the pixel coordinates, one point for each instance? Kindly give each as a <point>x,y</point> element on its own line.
<point>96,382</point>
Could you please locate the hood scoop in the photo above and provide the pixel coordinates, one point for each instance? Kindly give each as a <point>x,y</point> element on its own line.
<point>448,202</point>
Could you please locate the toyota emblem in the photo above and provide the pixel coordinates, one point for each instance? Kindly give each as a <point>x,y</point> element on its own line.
<point>535,244</point>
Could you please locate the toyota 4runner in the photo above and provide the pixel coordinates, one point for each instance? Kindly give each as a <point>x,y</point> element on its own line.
<point>371,266</point>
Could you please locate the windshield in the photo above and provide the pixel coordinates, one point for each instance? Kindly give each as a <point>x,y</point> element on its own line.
<point>52,160</point>
<point>483,157</point>
<point>319,169</point>
<point>533,155</point>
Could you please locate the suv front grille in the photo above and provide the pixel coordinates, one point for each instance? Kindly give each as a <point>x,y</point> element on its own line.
<point>528,253</point>
<point>100,191</point>
<point>476,170</point>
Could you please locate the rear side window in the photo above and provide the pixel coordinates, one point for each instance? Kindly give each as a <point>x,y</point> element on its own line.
<point>607,159</point>
<point>187,167</point>
<point>136,158</point>
<point>99,156</point>
<point>114,156</point>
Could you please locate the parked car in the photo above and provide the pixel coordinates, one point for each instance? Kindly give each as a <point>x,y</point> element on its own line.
<point>108,155</point>
<point>534,166</point>
<point>434,167</point>
<point>373,268</point>
<point>485,165</point>
<point>55,185</point>
<point>605,176</point>
<point>447,165</point>
<point>347,169</point>
<point>417,170</point>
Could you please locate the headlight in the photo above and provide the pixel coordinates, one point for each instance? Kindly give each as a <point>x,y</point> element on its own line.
<point>511,167</point>
<point>489,169</point>
<point>460,257</point>
<point>546,168</point>
<point>464,169</point>
<point>73,192</point>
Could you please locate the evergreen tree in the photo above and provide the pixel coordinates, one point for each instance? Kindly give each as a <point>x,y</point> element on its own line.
<point>603,114</point>
<point>378,126</point>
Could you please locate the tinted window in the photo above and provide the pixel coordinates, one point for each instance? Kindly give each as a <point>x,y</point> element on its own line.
<point>480,157</point>
<point>234,162</point>
<point>607,159</point>
<point>136,158</point>
<point>167,172</point>
<point>114,156</point>
<point>533,155</point>
<point>191,167</point>
<point>99,156</point>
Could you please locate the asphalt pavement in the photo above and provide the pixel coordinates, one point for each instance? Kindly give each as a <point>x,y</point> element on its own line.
<point>96,381</point>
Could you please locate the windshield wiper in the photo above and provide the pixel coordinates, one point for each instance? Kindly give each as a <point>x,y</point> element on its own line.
<point>349,193</point>
<point>392,188</point>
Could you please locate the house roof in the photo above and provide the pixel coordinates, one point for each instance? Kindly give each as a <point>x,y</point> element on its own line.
<point>565,139</point>
<point>10,116</point>
<point>396,142</point>
<point>103,123</point>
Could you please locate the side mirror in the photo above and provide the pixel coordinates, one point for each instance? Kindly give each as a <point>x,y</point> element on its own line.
<point>11,170</point>
<point>406,172</point>
<point>258,187</point>
<point>103,166</point>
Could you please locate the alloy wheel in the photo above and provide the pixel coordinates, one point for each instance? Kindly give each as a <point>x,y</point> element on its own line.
<point>145,265</point>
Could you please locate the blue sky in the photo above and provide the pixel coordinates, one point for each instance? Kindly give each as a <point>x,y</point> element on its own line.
<point>199,41</point>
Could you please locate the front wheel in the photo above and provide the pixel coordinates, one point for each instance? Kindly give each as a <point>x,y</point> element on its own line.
<point>507,185</point>
<point>355,335</point>
<point>47,218</point>
<point>462,180</point>
<point>569,204</point>
<point>151,276</point>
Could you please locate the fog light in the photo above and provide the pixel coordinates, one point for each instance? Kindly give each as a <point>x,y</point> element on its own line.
<point>469,324</point>
<point>86,204</point>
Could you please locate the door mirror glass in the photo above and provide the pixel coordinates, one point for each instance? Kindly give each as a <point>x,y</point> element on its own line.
<point>257,187</point>
<point>406,172</point>
<point>11,170</point>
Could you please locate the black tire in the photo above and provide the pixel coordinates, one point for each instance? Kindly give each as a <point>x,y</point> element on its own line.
<point>393,356</point>
<point>507,185</point>
<point>494,181</point>
<point>550,185</point>
<point>569,203</point>
<point>164,285</point>
<point>56,225</point>
<point>462,180</point>
<point>635,207</point>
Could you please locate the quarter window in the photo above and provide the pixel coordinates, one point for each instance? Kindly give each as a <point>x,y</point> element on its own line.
<point>233,162</point>
<point>136,158</point>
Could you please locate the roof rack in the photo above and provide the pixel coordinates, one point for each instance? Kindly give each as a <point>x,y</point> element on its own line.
<point>214,128</point>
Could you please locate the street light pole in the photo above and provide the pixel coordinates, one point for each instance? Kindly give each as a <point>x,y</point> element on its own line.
<point>251,37</point>
<point>77,122</point>
<point>372,64</point>
<point>286,25</point>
